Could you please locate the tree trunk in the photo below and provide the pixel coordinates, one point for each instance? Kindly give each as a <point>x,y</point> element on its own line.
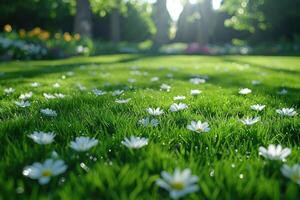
<point>162,21</point>
<point>115,32</point>
<point>83,18</point>
<point>206,22</point>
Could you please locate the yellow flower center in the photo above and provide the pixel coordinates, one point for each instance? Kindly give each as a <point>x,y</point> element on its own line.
<point>177,185</point>
<point>295,177</point>
<point>47,173</point>
<point>200,129</point>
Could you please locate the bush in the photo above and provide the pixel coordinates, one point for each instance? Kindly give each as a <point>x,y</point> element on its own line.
<point>41,44</point>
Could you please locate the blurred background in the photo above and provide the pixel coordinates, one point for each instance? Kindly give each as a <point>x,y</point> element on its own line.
<point>51,29</point>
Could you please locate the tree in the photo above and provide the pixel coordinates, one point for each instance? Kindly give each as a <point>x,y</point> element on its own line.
<point>206,22</point>
<point>115,29</point>
<point>196,23</point>
<point>268,19</point>
<point>83,18</point>
<point>162,21</point>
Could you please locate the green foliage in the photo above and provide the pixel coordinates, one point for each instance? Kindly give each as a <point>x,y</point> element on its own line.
<point>48,14</point>
<point>275,18</point>
<point>39,44</point>
<point>136,24</point>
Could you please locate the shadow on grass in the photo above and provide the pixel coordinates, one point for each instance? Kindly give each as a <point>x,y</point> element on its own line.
<point>264,67</point>
<point>41,69</point>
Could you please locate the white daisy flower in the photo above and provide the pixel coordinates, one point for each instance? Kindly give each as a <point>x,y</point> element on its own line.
<point>136,72</point>
<point>292,173</point>
<point>81,87</point>
<point>59,95</point>
<point>49,96</point>
<point>23,104</point>
<point>198,126</point>
<point>98,92</point>
<point>257,107</point>
<point>165,87</point>
<point>282,92</point>
<point>48,112</point>
<point>83,143</point>
<point>117,92</point>
<point>287,112</point>
<point>195,92</point>
<point>169,75</point>
<point>9,91</point>
<point>250,121</point>
<point>131,80</point>
<point>274,152</point>
<point>148,122</point>
<point>177,107</point>
<point>35,84</point>
<point>70,73</point>
<point>178,98</point>
<point>135,142</point>
<point>56,85</point>
<point>197,81</point>
<point>245,91</point>
<point>256,82</point>
<point>155,111</point>
<point>44,171</point>
<point>122,101</point>
<point>179,184</point>
<point>41,137</point>
<point>154,79</point>
<point>26,96</point>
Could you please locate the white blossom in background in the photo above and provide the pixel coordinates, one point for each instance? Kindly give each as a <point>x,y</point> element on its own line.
<point>154,79</point>
<point>178,98</point>
<point>131,80</point>
<point>195,92</point>
<point>178,184</point>
<point>44,171</point>
<point>81,87</point>
<point>48,112</point>
<point>135,142</point>
<point>35,84</point>
<point>9,91</point>
<point>250,121</point>
<point>83,143</point>
<point>282,92</point>
<point>256,82</point>
<point>70,73</point>
<point>117,92</point>
<point>49,96</point>
<point>292,173</point>
<point>257,107</point>
<point>41,137</point>
<point>199,127</point>
<point>165,87</point>
<point>56,85</point>
<point>155,111</point>
<point>169,75</point>
<point>26,96</point>
<point>290,112</point>
<point>122,101</point>
<point>148,122</point>
<point>98,92</point>
<point>245,91</point>
<point>197,81</point>
<point>59,95</point>
<point>178,107</point>
<point>23,104</point>
<point>275,152</point>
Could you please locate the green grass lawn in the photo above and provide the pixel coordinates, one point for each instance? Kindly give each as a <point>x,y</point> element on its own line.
<point>226,159</point>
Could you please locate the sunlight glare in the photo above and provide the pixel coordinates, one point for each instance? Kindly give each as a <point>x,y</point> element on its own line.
<point>175,8</point>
